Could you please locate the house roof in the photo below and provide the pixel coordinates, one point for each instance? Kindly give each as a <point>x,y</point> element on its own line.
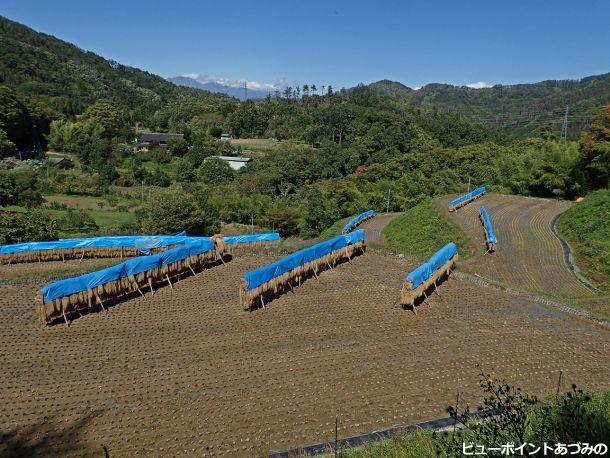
<point>158,136</point>
<point>234,158</point>
<point>59,160</point>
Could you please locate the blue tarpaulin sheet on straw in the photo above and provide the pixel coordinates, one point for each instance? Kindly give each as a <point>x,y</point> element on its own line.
<point>144,243</point>
<point>124,269</point>
<point>259,276</point>
<point>421,273</point>
<point>470,195</point>
<point>125,241</point>
<point>356,220</point>
<point>488,227</point>
<point>251,238</point>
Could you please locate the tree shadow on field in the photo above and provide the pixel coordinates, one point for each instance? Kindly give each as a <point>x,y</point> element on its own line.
<point>51,437</point>
<point>114,301</point>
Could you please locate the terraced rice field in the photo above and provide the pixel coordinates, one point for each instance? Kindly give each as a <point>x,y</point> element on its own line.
<point>529,256</point>
<point>187,372</point>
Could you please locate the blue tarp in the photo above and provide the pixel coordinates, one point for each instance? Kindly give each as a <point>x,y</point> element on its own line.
<point>251,238</point>
<point>144,243</point>
<point>420,274</point>
<point>352,223</point>
<point>126,241</point>
<point>468,196</point>
<point>257,277</point>
<point>124,269</point>
<point>488,227</point>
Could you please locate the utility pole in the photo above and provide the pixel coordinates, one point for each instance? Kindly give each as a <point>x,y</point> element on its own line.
<point>388,205</point>
<point>468,183</point>
<point>564,129</point>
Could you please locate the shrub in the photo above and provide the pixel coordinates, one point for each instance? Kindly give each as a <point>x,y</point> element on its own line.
<point>27,227</point>
<point>76,221</point>
<point>30,198</point>
<point>215,171</point>
<point>8,188</point>
<point>170,211</point>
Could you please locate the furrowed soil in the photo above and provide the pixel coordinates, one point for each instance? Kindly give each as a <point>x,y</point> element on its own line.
<point>188,372</point>
<point>528,256</point>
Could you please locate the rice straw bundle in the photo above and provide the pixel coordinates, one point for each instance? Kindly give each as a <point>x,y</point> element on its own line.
<point>409,295</point>
<point>112,290</point>
<point>294,277</point>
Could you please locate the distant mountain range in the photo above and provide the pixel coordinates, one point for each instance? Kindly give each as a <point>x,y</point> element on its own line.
<point>234,91</point>
<point>517,110</point>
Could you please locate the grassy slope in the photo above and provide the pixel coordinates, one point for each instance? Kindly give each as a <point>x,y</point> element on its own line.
<point>335,229</point>
<point>420,231</point>
<point>586,226</point>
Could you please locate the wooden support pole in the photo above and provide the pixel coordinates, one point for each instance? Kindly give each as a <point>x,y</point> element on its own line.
<point>152,291</point>
<point>168,280</point>
<point>190,267</point>
<point>66,320</point>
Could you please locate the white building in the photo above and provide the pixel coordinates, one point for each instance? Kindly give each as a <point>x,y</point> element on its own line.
<point>235,162</point>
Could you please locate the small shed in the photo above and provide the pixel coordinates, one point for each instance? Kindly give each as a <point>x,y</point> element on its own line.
<point>61,162</point>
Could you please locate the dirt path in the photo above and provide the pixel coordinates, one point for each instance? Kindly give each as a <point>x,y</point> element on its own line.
<point>375,226</point>
<point>187,372</point>
<point>529,256</point>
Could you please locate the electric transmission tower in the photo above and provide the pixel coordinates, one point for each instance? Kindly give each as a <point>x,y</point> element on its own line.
<point>564,128</point>
<point>245,90</point>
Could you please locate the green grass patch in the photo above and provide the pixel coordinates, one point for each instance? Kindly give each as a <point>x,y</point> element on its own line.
<point>586,227</point>
<point>420,231</point>
<point>335,229</point>
<point>414,445</point>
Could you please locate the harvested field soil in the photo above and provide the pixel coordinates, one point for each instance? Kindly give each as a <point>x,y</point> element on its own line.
<point>528,255</point>
<point>188,372</point>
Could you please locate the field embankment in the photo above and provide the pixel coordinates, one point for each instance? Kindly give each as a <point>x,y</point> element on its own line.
<point>420,231</point>
<point>586,227</point>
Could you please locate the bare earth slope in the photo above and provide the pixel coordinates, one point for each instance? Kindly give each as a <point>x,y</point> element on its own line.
<point>187,372</point>
<point>528,256</point>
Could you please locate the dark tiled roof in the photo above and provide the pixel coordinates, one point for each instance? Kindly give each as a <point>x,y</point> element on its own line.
<point>158,136</point>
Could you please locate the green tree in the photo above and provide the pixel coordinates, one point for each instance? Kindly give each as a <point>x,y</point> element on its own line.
<point>318,211</point>
<point>6,146</point>
<point>174,210</point>
<point>595,150</point>
<point>27,227</point>
<point>183,171</point>
<point>106,114</point>
<point>215,171</point>
<point>8,188</point>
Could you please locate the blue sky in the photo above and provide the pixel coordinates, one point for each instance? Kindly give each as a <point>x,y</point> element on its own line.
<point>342,43</point>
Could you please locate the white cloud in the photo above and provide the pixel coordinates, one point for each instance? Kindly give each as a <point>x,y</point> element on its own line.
<point>478,85</point>
<point>205,78</point>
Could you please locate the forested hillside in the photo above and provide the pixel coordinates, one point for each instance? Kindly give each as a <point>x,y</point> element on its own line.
<point>329,154</point>
<point>43,78</point>
<point>517,111</point>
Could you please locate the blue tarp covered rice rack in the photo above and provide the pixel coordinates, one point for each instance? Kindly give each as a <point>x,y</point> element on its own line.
<point>190,253</point>
<point>358,220</point>
<point>490,236</point>
<point>466,198</point>
<point>428,274</point>
<point>112,246</point>
<point>279,275</point>
<point>70,294</point>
